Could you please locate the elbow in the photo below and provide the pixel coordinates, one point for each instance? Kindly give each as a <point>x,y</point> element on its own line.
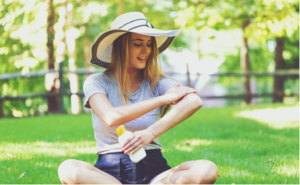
<point>195,100</point>
<point>109,119</point>
<point>198,102</point>
<point>109,124</point>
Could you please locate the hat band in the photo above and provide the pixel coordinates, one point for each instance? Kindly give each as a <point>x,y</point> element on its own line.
<point>136,23</point>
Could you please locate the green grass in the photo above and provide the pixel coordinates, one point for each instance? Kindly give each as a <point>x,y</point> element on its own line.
<point>254,144</point>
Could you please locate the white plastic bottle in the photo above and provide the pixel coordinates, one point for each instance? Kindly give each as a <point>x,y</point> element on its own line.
<point>123,135</point>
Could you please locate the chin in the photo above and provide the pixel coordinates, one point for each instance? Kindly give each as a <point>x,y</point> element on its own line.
<point>141,67</point>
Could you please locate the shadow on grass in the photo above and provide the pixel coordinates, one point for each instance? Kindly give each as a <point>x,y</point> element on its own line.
<point>244,150</point>
<point>51,128</point>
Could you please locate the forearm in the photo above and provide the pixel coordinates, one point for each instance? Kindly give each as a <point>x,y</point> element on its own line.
<point>181,111</point>
<point>121,115</point>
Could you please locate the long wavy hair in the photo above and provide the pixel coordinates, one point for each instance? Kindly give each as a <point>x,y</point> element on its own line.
<point>120,60</point>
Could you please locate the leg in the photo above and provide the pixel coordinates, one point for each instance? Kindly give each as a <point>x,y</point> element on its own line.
<point>78,172</point>
<point>191,172</point>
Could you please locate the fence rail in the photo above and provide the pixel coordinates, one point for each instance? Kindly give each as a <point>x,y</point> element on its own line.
<point>81,94</point>
<point>44,72</point>
<point>283,73</point>
<point>91,71</point>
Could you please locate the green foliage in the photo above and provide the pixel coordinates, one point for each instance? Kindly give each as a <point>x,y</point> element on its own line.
<point>246,151</point>
<point>24,36</point>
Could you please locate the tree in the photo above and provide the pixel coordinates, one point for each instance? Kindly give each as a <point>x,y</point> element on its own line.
<point>279,62</point>
<point>51,79</point>
<point>22,48</point>
<point>257,19</point>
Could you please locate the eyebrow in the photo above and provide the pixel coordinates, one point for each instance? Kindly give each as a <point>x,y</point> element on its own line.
<point>142,40</point>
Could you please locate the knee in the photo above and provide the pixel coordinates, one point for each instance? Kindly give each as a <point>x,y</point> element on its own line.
<point>68,171</point>
<point>207,172</point>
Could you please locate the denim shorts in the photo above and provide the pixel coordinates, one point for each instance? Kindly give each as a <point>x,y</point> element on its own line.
<point>122,168</point>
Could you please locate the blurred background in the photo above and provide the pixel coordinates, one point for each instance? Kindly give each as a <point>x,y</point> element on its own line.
<point>234,52</point>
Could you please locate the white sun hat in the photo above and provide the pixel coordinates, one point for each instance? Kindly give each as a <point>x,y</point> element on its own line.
<point>134,22</point>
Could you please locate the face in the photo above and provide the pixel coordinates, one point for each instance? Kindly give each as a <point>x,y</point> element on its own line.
<point>139,51</point>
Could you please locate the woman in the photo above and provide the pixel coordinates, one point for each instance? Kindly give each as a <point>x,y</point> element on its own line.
<point>133,92</point>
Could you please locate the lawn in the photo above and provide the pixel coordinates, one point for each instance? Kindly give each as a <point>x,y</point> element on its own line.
<point>252,144</point>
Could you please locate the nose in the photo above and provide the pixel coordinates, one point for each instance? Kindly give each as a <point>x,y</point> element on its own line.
<point>146,49</point>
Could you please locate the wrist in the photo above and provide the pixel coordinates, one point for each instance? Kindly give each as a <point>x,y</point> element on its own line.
<point>167,99</point>
<point>151,133</point>
<point>164,100</point>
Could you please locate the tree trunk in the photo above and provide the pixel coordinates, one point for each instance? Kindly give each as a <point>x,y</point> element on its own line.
<point>121,8</point>
<point>245,64</point>
<point>279,63</point>
<point>73,77</point>
<point>86,49</point>
<point>1,110</point>
<point>51,79</point>
<point>188,75</point>
<point>61,46</point>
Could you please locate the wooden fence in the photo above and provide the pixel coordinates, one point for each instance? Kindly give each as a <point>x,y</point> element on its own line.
<point>61,71</point>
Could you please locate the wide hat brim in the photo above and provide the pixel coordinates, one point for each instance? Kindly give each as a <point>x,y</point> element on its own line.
<point>102,47</point>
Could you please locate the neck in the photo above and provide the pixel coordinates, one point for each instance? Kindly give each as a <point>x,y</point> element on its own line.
<point>136,76</point>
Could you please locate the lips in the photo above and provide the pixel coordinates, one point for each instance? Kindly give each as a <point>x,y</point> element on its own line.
<point>142,59</point>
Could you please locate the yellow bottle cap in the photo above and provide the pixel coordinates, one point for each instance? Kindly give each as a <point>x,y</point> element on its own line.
<point>120,130</point>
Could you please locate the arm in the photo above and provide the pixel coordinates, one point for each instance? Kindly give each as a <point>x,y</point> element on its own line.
<point>181,111</point>
<point>113,116</point>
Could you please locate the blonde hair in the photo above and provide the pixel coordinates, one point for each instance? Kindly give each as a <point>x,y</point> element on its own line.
<point>119,62</point>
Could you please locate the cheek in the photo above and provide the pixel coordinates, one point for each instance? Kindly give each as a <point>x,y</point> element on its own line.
<point>131,55</point>
<point>150,51</point>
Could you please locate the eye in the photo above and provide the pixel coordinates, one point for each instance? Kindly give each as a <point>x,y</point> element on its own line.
<point>137,45</point>
<point>149,45</point>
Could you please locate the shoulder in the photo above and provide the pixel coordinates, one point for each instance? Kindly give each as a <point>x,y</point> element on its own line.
<point>164,84</point>
<point>97,78</point>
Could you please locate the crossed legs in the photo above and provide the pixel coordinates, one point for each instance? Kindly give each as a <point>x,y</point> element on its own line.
<point>72,171</point>
<point>192,172</point>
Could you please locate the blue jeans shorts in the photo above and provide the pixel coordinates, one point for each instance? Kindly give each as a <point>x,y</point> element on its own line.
<point>122,168</point>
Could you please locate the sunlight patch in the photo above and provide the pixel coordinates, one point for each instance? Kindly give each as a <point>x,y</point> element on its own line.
<point>233,172</point>
<point>191,144</point>
<point>200,142</point>
<point>286,170</point>
<point>283,117</point>
<point>184,148</point>
<point>52,149</point>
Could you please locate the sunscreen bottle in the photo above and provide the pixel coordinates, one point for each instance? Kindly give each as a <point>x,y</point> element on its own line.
<point>123,135</point>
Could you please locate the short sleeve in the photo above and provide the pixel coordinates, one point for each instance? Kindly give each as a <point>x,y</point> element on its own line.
<point>93,84</point>
<point>165,84</point>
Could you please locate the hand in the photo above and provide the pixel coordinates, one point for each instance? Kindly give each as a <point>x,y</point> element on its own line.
<point>176,93</point>
<point>137,141</point>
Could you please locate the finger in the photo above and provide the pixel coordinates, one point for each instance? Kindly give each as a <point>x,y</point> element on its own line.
<point>177,101</point>
<point>128,146</point>
<point>189,89</point>
<point>137,148</point>
<point>125,145</point>
<point>192,91</point>
<point>133,147</point>
<point>131,144</point>
<point>177,85</point>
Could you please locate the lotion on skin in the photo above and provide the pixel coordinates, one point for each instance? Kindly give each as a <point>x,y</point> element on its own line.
<point>123,135</point>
